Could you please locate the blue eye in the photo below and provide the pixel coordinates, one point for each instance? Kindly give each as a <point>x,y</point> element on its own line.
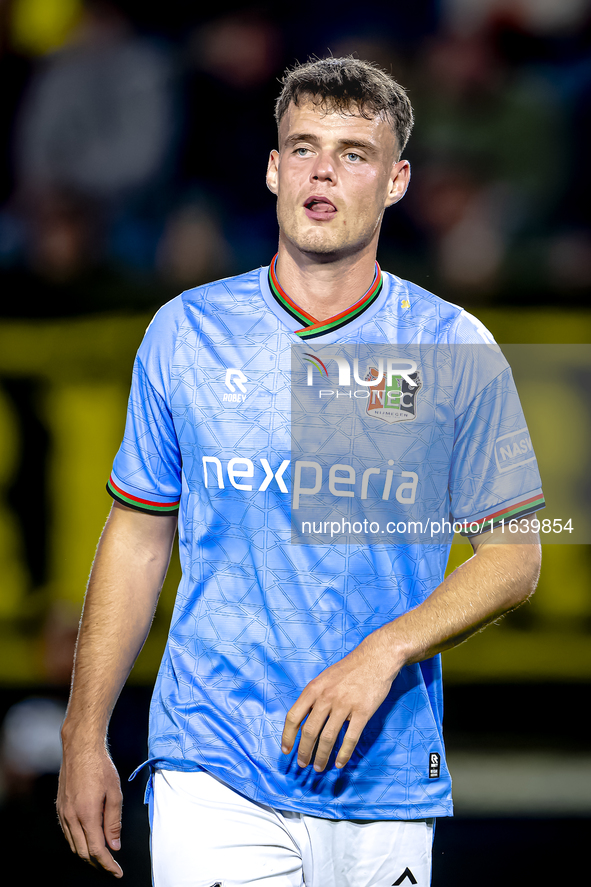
<point>352,156</point>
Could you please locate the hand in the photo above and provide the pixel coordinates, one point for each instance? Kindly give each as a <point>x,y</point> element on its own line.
<point>89,804</point>
<point>350,690</point>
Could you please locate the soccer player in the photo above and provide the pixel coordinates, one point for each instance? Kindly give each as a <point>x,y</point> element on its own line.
<point>295,726</point>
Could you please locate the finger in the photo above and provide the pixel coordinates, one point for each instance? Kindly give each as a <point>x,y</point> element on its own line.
<point>97,852</point>
<point>112,820</point>
<point>82,843</point>
<point>326,742</point>
<point>67,834</point>
<point>293,720</point>
<point>63,821</point>
<point>101,858</point>
<point>311,730</point>
<point>350,740</point>
<point>78,841</point>
<point>63,824</point>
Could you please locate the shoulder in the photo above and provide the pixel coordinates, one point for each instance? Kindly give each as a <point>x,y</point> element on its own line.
<point>225,292</point>
<point>180,322</point>
<point>423,310</point>
<point>163,329</point>
<point>169,320</point>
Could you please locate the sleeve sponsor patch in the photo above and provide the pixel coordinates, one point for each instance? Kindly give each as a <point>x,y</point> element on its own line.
<point>513,450</point>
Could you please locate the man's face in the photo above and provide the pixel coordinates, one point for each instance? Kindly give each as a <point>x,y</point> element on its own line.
<point>333,176</point>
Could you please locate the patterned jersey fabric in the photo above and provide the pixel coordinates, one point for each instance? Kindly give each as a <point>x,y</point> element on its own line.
<point>216,430</point>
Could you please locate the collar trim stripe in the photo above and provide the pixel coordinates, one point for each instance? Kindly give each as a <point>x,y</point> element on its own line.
<point>314,328</point>
<point>281,296</point>
<point>339,320</point>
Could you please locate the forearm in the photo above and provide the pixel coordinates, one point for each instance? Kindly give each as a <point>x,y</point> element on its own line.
<point>127,575</point>
<point>497,579</point>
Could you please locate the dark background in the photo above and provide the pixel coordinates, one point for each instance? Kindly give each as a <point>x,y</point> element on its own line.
<point>133,150</point>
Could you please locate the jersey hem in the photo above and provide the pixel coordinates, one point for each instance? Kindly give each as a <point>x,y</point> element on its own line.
<point>443,808</point>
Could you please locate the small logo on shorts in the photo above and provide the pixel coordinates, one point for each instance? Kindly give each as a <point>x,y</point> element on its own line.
<point>434,765</point>
<point>405,874</point>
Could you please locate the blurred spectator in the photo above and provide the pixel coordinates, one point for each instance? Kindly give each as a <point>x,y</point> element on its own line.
<point>98,122</point>
<point>569,261</point>
<point>469,223</point>
<point>240,50</point>
<point>193,249</point>
<point>488,140</point>
<point>98,117</point>
<point>63,267</point>
<point>109,145</point>
<point>539,16</point>
<point>232,66</point>
<point>64,237</point>
<point>30,743</point>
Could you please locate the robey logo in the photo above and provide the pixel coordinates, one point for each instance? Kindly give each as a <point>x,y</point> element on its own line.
<point>235,377</point>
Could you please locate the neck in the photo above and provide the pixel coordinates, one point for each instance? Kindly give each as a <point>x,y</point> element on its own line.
<point>324,288</point>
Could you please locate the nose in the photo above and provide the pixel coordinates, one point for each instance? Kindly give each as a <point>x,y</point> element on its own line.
<point>323,169</point>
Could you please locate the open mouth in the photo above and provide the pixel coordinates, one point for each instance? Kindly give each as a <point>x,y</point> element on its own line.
<point>319,208</point>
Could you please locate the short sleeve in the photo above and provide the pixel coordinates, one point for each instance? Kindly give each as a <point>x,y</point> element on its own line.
<point>147,469</point>
<point>494,472</point>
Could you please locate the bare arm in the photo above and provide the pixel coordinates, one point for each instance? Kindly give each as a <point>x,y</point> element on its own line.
<point>498,578</point>
<point>125,582</point>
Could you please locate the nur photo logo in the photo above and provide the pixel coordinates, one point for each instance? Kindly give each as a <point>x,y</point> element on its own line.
<point>390,387</point>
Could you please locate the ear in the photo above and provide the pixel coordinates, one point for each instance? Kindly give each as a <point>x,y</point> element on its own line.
<point>273,171</point>
<point>399,181</point>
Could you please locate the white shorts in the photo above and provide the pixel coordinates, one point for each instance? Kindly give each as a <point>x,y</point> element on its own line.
<point>204,834</point>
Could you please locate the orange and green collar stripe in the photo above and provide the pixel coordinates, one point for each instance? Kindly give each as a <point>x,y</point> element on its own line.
<point>311,327</point>
<point>140,504</point>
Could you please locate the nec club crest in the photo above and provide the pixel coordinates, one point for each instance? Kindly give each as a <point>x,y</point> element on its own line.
<point>396,400</point>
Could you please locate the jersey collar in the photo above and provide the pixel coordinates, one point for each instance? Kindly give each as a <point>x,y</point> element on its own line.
<point>310,327</point>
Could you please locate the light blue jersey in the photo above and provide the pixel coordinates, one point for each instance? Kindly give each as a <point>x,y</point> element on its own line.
<point>260,611</point>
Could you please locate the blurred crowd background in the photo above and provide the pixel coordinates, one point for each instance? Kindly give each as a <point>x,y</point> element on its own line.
<point>133,147</point>
<point>135,139</point>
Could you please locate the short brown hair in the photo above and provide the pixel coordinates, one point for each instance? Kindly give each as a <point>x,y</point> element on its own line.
<point>345,83</point>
